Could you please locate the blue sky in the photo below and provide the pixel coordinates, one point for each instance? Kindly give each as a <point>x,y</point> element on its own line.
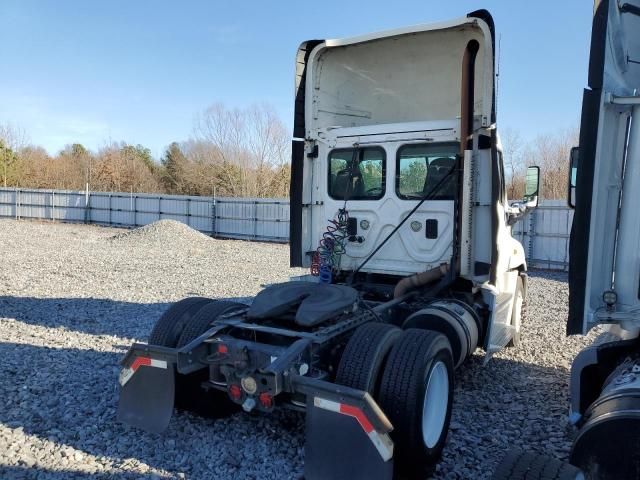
<point>139,71</point>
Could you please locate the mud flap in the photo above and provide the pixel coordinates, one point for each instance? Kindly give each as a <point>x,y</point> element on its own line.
<point>347,435</point>
<point>147,387</point>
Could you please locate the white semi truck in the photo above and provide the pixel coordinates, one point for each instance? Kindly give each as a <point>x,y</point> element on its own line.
<point>604,274</point>
<point>399,210</point>
<point>604,277</point>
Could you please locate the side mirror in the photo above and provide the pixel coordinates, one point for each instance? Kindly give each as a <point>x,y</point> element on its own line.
<point>573,173</point>
<point>532,187</point>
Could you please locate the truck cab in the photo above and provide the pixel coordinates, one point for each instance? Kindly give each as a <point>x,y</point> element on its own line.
<point>398,131</point>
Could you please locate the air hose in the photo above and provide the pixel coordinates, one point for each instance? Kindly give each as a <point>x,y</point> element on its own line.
<point>331,248</point>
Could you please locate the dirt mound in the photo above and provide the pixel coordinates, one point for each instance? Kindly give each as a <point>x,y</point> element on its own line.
<point>166,232</point>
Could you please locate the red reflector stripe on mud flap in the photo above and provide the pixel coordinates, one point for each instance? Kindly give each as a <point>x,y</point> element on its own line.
<point>358,414</point>
<point>140,361</point>
<point>381,441</point>
<point>127,373</point>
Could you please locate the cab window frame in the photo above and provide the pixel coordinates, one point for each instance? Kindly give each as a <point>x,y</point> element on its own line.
<point>446,144</point>
<point>378,148</point>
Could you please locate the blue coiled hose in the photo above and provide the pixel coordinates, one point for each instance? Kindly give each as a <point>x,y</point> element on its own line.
<point>331,248</point>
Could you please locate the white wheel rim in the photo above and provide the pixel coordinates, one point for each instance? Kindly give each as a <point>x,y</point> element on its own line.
<point>436,401</point>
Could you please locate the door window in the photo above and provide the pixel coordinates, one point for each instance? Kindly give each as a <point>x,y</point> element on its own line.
<point>427,169</point>
<point>357,173</point>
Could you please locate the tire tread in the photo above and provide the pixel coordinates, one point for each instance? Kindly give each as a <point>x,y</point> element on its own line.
<point>199,323</point>
<point>400,389</point>
<point>520,465</point>
<point>360,365</point>
<point>168,328</point>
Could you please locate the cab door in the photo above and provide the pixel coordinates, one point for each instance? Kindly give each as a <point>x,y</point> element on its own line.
<point>379,185</point>
<point>606,227</point>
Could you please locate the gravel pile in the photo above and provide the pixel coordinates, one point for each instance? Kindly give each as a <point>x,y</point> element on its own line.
<point>74,297</point>
<point>167,232</point>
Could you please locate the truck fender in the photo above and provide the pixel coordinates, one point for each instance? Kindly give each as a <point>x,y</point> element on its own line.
<point>517,259</point>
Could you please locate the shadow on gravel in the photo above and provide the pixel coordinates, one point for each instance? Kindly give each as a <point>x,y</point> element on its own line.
<point>88,315</point>
<point>68,397</point>
<point>26,473</point>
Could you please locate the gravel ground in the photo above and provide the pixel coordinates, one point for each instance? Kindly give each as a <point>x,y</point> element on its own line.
<point>74,297</point>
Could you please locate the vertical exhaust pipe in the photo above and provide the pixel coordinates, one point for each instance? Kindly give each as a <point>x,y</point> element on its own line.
<point>467,101</point>
<point>467,95</point>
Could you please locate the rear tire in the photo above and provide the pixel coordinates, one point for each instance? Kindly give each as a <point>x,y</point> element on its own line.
<point>182,323</point>
<point>416,393</point>
<point>199,323</point>
<point>519,465</point>
<point>189,392</point>
<point>363,358</point>
<point>170,325</point>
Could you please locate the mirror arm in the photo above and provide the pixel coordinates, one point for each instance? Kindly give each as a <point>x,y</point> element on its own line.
<point>519,210</point>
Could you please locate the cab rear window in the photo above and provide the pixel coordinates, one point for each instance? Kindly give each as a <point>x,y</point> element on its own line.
<point>427,169</point>
<point>357,173</point>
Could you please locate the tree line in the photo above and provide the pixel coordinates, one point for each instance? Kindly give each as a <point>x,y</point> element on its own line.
<point>233,152</point>
<point>548,151</point>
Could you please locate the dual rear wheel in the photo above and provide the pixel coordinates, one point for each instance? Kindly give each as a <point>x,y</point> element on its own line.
<point>182,323</point>
<point>410,374</point>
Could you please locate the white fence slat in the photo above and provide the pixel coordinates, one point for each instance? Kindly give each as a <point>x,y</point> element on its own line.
<point>242,218</point>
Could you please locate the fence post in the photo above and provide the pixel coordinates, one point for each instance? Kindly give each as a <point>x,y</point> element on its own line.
<point>255,219</point>
<point>214,214</point>
<point>16,201</point>
<point>53,205</point>
<point>87,215</point>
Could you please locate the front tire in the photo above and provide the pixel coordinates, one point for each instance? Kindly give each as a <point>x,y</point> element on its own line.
<point>416,393</point>
<point>519,465</point>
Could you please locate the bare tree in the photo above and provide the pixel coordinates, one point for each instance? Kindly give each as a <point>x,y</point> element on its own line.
<point>13,136</point>
<point>551,152</point>
<point>234,152</point>
<point>251,146</point>
<point>512,146</point>
<point>12,139</point>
